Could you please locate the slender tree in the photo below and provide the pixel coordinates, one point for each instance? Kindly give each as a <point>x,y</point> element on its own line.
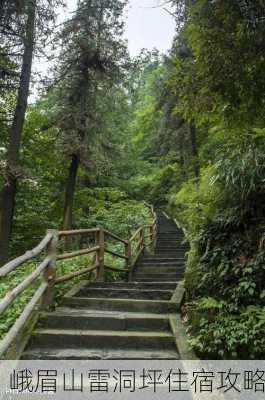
<point>91,56</point>
<point>25,26</point>
<point>12,168</point>
<point>194,149</point>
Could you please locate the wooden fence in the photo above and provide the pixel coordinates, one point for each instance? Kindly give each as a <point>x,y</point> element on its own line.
<point>48,249</point>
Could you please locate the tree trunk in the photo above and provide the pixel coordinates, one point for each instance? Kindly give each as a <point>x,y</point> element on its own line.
<point>181,154</point>
<point>71,181</point>
<point>194,150</point>
<point>69,193</point>
<point>8,193</point>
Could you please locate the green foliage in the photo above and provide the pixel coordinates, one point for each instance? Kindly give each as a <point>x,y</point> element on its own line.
<point>8,318</point>
<point>195,203</point>
<point>223,46</point>
<point>223,335</point>
<point>121,217</point>
<point>38,207</point>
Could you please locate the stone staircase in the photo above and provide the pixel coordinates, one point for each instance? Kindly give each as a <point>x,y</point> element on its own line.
<point>119,320</point>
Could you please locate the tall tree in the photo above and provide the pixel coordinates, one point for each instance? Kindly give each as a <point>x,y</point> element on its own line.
<point>91,61</point>
<point>12,168</point>
<point>23,21</point>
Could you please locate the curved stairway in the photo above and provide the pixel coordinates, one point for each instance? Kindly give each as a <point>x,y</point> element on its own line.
<point>119,320</point>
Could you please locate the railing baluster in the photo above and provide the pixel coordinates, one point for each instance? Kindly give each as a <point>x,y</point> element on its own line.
<point>100,240</point>
<point>152,234</point>
<point>49,274</point>
<point>128,253</point>
<point>142,238</point>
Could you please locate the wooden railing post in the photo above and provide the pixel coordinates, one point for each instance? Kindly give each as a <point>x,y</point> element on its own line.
<point>154,229</point>
<point>142,238</point>
<point>152,234</point>
<point>100,241</point>
<point>128,253</point>
<point>49,274</point>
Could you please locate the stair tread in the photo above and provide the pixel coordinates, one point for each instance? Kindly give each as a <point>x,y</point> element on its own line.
<point>164,282</point>
<point>79,312</point>
<point>158,273</point>
<point>151,257</point>
<point>100,354</point>
<point>118,300</point>
<point>86,332</point>
<point>140,290</point>
<point>115,284</point>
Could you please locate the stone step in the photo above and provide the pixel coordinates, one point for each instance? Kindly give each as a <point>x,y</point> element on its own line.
<point>169,230</point>
<point>169,236</point>
<point>151,269</point>
<point>170,252</point>
<point>161,280</point>
<point>161,267</point>
<point>179,243</point>
<point>175,275</point>
<point>172,246</point>
<point>130,305</point>
<point>56,353</point>
<point>176,253</point>
<point>61,338</point>
<point>129,285</point>
<point>119,293</point>
<point>163,260</point>
<point>72,318</point>
<point>171,239</point>
<point>177,259</point>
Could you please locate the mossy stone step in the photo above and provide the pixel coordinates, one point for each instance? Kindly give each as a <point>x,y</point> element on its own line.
<point>159,270</point>
<point>99,354</point>
<point>131,305</point>
<point>163,260</point>
<point>130,285</point>
<point>128,293</point>
<point>67,318</point>
<point>158,275</point>
<point>102,339</point>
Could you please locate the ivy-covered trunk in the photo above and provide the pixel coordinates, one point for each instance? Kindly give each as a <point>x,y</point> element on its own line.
<point>8,194</point>
<point>194,150</point>
<point>69,193</point>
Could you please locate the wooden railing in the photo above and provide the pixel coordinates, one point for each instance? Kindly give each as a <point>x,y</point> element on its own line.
<point>48,249</point>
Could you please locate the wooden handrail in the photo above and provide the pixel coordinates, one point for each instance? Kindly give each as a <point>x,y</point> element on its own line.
<point>12,265</point>
<point>113,253</point>
<point>68,277</point>
<point>78,232</point>
<point>116,269</point>
<point>22,319</point>
<point>10,296</point>
<point>135,234</point>
<point>77,253</point>
<point>113,236</point>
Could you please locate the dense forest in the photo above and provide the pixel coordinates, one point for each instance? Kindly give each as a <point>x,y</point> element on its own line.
<point>184,131</point>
